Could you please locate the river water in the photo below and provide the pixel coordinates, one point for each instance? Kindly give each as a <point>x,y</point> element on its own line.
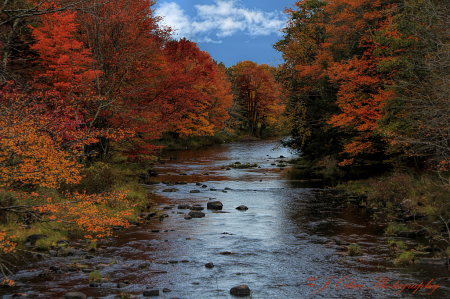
<point>283,245</point>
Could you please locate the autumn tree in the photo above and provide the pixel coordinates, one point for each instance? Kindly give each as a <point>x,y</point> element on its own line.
<point>332,60</point>
<point>257,93</point>
<point>195,90</point>
<point>15,34</point>
<point>40,146</point>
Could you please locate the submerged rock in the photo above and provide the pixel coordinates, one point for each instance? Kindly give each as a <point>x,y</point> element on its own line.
<point>194,191</point>
<point>74,295</point>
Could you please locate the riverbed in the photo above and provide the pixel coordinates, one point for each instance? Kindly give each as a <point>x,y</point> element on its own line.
<point>288,244</point>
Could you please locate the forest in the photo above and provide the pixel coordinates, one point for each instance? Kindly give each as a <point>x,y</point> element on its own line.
<point>91,91</point>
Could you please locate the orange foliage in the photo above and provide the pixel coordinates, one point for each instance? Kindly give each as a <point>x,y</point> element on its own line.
<point>258,93</point>
<point>64,62</point>
<point>197,92</point>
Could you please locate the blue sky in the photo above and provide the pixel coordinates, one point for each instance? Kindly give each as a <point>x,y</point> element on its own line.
<point>230,30</point>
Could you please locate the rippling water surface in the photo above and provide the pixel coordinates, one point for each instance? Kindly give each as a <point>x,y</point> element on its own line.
<point>287,236</point>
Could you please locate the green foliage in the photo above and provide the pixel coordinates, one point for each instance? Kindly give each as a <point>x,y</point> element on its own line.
<point>405,258</point>
<point>95,276</point>
<point>394,228</point>
<point>354,250</point>
<point>397,244</point>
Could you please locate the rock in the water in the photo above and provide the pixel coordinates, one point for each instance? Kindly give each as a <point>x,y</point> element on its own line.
<point>170,190</point>
<point>197,208</point>
<point>194,191</point>
<point>187,217</point>
<point>196,214</point>
<point>152,173</point>
<point>95,284</point>
<point>214,205</point>
<point>242,290</point>
<point>198,184</point>
<point>242,208</point>
<point>184,207</point>
<point>74,295</point>
<point>166,290</point>
<point>121,285</point>
<point>150,293</point>
<point>33,238</point>
<point>144,265</point>
<point>209,265</point>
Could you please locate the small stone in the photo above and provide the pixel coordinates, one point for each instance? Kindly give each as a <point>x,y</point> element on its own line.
<point>144,265</point>
<point>194,191</point>
<point>242,208</point>
<point>187,217</point>
<point>209,265</point>
<point>196,214</point>
<point>122,285</point>
<point>173,262</point>
<point>95,284</point>
<point>74,295</point>
<point>184,207</point>
<point>166,290</point>
<point>151,293</point>
<point>242,290</point>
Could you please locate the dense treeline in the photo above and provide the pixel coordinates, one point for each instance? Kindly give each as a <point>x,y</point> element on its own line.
<point>85,82</point>
<point>367,82</point>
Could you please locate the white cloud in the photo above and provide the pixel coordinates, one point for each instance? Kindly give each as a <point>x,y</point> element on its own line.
<point>223,18</point>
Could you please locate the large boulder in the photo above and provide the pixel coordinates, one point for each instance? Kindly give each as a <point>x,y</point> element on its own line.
<point>214,205</point>
<point>242,290</point>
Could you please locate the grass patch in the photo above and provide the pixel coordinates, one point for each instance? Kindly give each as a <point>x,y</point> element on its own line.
<point>51,241</point>
<point>95,276</point>
<point>405,258</point>
<point>239,165</point>
<point>354,250</point>
<point>400,245</point>
<point>394,228</point>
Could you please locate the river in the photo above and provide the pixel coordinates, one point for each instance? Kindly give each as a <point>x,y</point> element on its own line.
<point>285,245</point>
